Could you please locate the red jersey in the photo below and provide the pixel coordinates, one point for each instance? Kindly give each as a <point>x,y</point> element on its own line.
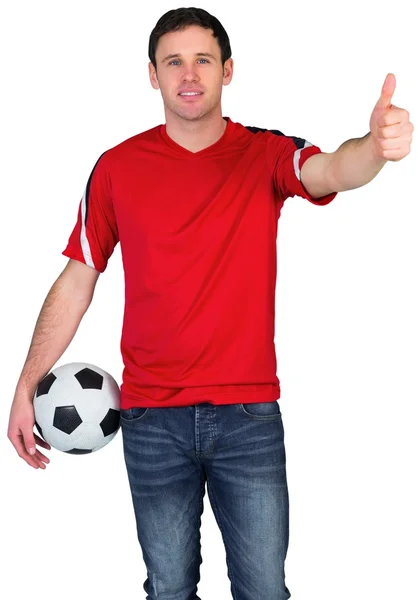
<point>198,242</point>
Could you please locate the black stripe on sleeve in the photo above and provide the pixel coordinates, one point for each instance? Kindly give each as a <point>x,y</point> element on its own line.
<point>88,187</point>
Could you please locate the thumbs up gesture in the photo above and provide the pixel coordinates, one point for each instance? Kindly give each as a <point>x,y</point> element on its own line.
<point>390,127</point>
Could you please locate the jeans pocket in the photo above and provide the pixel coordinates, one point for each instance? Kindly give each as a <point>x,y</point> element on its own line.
<point>135,413</point>
<point>261,410</point>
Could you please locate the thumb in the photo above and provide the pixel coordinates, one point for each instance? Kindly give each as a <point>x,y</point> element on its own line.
<point>30,444</point>
<point>387,91</point>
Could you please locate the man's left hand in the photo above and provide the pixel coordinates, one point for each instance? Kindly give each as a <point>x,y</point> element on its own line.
<point>390,127</point>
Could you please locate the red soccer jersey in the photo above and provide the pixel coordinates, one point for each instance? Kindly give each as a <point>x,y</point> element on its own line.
<point>198,243</point>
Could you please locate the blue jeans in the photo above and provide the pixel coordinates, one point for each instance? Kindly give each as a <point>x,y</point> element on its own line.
<point>239,450</point>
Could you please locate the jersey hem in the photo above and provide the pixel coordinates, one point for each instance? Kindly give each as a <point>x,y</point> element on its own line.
<point>216,398</point>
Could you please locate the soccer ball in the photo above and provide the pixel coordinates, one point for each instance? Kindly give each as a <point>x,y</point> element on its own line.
<point>77,408</point>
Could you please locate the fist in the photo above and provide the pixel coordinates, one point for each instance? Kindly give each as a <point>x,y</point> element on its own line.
<point>390,127</point>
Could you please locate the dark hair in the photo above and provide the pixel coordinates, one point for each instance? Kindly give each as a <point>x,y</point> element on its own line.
<point>180,18</point>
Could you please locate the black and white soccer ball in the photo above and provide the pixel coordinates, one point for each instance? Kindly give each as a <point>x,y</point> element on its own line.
<point>77,408</point>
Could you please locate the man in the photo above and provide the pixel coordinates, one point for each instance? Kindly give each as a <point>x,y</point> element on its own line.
<point>194,204</point>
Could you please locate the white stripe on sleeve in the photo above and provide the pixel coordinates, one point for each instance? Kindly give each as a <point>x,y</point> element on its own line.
<point>85,246</point>
<point>297,157</point>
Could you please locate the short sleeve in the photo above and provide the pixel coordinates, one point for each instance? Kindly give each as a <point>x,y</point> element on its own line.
<point>287,155</point>
<point>95,233</point>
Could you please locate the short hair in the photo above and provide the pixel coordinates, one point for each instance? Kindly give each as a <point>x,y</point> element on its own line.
<point>179,19</point>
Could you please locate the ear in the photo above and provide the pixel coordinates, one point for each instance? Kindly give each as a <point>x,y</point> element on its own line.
<point>228,71</point>
<point>153,76</point>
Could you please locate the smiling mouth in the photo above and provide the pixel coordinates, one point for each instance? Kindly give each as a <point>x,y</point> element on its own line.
<point>190,97</point>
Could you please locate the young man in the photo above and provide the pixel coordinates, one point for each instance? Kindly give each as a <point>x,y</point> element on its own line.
<point>194,204</point>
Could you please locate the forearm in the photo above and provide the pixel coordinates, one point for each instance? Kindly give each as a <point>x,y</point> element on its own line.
<point>354,164</point>
<point>56,326</point>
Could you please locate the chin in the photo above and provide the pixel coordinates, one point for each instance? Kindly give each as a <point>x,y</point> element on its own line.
<point>194,117</point>
<point>191,115</point>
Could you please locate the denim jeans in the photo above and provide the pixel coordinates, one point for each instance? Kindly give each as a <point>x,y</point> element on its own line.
<point>238,449</point>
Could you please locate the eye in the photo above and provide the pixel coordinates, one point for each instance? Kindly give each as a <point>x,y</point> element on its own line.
<point>177,61</point>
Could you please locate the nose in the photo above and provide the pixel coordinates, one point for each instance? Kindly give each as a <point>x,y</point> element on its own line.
<point>190,73</point>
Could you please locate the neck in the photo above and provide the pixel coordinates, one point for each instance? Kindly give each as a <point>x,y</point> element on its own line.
<point>195,135</point>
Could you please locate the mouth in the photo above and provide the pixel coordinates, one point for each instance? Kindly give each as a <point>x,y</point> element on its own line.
<point>190,96</point>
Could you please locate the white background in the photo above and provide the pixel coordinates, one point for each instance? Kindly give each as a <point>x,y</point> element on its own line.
<point>75,83</point>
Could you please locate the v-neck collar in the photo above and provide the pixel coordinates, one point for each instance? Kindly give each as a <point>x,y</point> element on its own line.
<point>205,151</point>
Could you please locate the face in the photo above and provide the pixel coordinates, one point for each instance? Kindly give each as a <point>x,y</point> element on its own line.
<point>190,61</point>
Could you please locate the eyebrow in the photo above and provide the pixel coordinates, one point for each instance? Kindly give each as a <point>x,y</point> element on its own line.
<point>197,54</point>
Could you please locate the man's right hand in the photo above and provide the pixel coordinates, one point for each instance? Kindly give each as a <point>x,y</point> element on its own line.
<point>21,434</point>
